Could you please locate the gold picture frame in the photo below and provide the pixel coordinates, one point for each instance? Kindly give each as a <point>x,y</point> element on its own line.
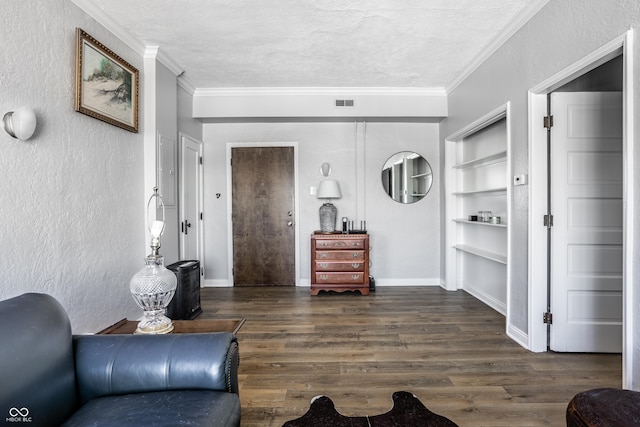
<point>106,85</point>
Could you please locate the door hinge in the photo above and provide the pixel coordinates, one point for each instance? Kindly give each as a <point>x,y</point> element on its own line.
<point>548,122</point>
<point>548,221</point>
<point>547,318</point>
<point>200,159</point>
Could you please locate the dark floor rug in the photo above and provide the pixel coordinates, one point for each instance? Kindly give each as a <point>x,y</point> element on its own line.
<point>407,411</point>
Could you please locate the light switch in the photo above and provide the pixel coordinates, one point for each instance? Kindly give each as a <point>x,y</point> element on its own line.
<point>312,190</point>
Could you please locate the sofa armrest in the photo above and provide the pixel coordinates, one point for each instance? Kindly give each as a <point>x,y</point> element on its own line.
<point>122,364</point>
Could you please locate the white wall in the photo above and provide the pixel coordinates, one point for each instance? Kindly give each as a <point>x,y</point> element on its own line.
<point>167,127</point>
<point>560,34</point>
<point>71,223</point>
<point>404,238</point>
<point>186,123</point>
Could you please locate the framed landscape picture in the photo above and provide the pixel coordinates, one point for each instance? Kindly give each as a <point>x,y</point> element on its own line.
<point>106,85</point>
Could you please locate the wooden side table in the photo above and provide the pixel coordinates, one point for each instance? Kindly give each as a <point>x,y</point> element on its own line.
<point>126,326</point>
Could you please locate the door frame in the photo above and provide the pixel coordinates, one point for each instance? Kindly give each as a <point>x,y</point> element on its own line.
<point>296,222</point>
<point>537,103</point>
<point>181,137</point>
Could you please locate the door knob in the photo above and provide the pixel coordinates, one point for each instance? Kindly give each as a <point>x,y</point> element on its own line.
<point>185,225</point>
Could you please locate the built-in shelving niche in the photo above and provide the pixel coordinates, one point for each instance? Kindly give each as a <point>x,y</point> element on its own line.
<point>478,179</point>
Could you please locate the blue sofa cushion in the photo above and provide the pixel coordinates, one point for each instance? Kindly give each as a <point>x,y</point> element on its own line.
<point>160,409</point>
<point>37,376</point>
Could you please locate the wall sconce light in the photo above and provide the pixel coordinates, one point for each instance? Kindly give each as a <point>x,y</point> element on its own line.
<point>21,123</point>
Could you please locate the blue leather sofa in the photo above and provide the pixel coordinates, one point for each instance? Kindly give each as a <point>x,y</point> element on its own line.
<point>50,378</point>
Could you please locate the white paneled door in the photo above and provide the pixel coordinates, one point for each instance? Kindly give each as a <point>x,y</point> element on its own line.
<point>191,200</point>
<point>587,233</point>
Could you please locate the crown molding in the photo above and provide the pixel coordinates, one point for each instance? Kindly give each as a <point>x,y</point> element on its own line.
<point>505,35</point>
<point>327,91</point>
<point>112,26</point>
<point>137,45</point>
<point>187,85</point>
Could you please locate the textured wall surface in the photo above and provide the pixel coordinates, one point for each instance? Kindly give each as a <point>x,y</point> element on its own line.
<point>71,216</point>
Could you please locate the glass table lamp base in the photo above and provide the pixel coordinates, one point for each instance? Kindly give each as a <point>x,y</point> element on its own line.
<point>154,323</point>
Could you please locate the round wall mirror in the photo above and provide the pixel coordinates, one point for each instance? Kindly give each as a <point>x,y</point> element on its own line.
<point>406,177</point>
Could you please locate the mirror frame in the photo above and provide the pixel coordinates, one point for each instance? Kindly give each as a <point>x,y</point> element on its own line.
<point>407,177</point>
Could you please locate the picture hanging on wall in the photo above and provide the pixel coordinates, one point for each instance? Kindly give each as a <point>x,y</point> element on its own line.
<point>106,85</point>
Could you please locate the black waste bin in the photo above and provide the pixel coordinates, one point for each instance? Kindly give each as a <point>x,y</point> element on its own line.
<point>185,304</point>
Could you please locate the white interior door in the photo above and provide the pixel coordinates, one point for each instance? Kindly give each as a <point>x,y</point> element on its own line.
<point>191,200</point>
<point>587,207</point>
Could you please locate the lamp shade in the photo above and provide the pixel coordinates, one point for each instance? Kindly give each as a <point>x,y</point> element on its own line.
<point>329,189</point>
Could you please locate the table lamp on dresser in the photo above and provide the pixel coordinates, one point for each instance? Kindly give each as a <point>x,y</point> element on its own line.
<point>328,189</point>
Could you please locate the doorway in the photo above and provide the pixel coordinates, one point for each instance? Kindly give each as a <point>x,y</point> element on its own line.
<point>538,295</point>
<point>191,200</point>
<point>263,215</point>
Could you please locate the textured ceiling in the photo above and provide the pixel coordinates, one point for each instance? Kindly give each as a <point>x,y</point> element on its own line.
<point>318,43</point>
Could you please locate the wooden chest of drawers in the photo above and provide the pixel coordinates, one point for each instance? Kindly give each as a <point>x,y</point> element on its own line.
<point>340,262</point>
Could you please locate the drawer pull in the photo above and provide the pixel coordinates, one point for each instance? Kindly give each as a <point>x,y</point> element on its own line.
<point>323,265</point>
<point>356,254</point>
<point>356,244</point>
<point>324,243</point>
<point>324,277</point>
<point>355,265</point>
<point>323,254</point>
<point>355,276</point>
<point>339,244</point>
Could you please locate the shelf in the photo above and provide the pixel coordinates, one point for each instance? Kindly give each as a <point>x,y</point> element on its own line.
<point>483,161</point>
<point>421,175</point>
<point>487,191</point>
<point>486,224</point>
<point>482,253</point>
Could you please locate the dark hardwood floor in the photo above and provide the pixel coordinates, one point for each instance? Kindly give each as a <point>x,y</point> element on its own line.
<point>447,348</point>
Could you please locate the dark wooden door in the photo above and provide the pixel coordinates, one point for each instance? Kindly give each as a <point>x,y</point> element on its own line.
<point>263,216</point>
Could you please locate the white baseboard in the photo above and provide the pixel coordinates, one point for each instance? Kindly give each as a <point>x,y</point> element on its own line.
<point>409,282</point>
<point>306,283</point>
<point>492,302</point>
<point>518,336</point>
<point>216,283</point>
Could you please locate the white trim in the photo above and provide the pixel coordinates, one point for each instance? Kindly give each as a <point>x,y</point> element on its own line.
<point>538,190</point>
<point>518,335</point>
<point>487,299</point>
<point>537,233</point>
<point>137,45</point>
<point>216,283</point>
<point>630,311</point>
<point>186,84</point>
<point>91,9</point>
<point>181,138</point>
<point>414,282</point>
<point>380,283</point>
<point>307,91</point>
<point>296,223</point>
<point>508,32</point>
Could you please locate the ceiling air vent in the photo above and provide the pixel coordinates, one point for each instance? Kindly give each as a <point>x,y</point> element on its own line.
<point>345,103</point>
